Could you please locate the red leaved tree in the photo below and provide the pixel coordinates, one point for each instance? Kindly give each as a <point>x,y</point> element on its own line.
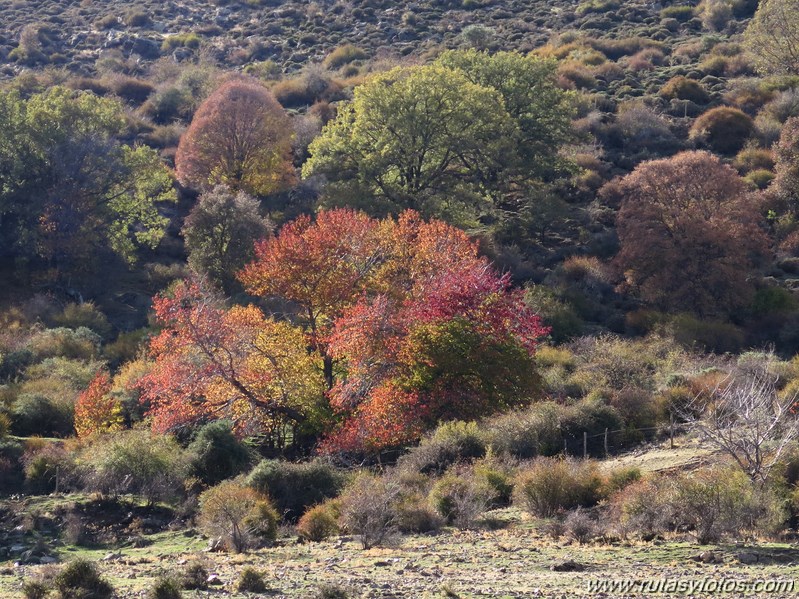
<point>214,362</point>
<point>96,410</point>
<point>421,327</point>
<point>691,234</point>
<point>240,137</point>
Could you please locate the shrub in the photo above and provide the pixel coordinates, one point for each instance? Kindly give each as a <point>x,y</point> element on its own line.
<point>708,335</point>
<point>681,13</point>
<point>50,466</point>
<point>237,514</point>
<point>250,581</point>
<point>415,515</point>
<point>180,40</point>
<point>216,453</point>
<point>37,414</point>
<point>459,499</point>
<point>722,501</point>
<point>331,591</point>
<point>84,315</point>
<point>132,90</point>
<point>683,88</point>
<point>319,522</point>
<point>80,579</point>
<point>620,478</point>
<point>760,178</point>
<point>527,433</point>
<point>724,129</point>
<point>165,587</point>
<point>450,443</point>
<point>35,589</point>
<point>296,487</point>
<point>580,526</point>
<point>135,461</point>
<point>368,509</point>
<point>496,476</point>
<point>194,577</point>
<point>343,55</point>
<point>553,485</point>
<point>642,508</point>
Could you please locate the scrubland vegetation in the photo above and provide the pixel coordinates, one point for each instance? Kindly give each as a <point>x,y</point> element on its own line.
<point>447,299</point>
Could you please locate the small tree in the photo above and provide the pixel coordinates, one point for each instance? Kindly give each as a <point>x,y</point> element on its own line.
<point>238,514</point>
<point>220,233</point>
<point>96,410</point>
<point>240,137</point>
<point>772,37</point>
<point>747,418</point>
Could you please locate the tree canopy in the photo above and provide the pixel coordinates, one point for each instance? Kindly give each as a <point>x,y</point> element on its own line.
<point>772,37</point>
<point>445,139</point>
<point>691,233</point>
<point>69,185</point>
<point>395,325</point>
<point>240,137</point>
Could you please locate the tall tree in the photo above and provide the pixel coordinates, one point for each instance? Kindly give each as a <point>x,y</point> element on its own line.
<point>772,37</point>
<point>528,86</point>
<point>210,361</point>
<point>691,234</point>
<point>69,186</point>
<point>239,137</point>
<point>424,138</point>
<point>220,233</point>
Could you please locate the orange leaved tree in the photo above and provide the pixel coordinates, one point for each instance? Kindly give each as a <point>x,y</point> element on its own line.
<point>239,137</point>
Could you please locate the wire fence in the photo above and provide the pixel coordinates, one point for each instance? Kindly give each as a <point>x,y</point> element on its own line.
<point>609,442</point>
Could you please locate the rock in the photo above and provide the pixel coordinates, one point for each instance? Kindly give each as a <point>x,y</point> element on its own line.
<point>17,548</point>
<point>567,566</point>
<point>707,557</point>
<point>48,559</point>
<point>111,557</point>
<point>746,557</point>
<point>214,580</point>
<point>215,545</point>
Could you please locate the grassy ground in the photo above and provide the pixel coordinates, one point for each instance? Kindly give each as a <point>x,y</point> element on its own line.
<point>514,561</point>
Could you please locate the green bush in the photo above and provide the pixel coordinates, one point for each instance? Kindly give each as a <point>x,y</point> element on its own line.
<point>80,579</point>
<point>165,587</point>
<point>681,13</point>
<point>460,499</point>
<point>250,581</point>
<point>296,487</point>
<point>194,577</point>
<point>85,315</point>
<point>11,469</point>
<point>35,589</point>
<point>320,522</point>
<point>683,88</point>
<point>51,464</point>
<point>180,40</point>
<point>725,130</point>
<point>239,515</point>
<point>216,454</point>
<point>708,335</point>
<point>527,433</point>
<point>135,461</point>
<point>343,55</point>
<point>36,414</point>
<point>550,486</point>
<point>760,179</point>
<point>450,443</point>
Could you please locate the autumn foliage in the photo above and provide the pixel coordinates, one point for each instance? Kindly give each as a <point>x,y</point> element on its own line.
<point>96,410</point>
<point>398,324</point>
<point>239,137</point>
<point>691,233</point>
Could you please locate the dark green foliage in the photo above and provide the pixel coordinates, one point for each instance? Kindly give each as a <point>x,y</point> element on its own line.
<point>194,577</point>
<point>165,587</point>
<point>80,579</point>
<point>450,443</point>
<point>36,414</point>
<point>35,589</point>
<point>296,487</point>
<point>216,453</point>
<point>250,581</point>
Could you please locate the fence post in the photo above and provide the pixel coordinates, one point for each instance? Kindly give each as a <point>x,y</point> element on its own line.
<point>585,444</point>
<point>671,430</point>
<point>606,442</point>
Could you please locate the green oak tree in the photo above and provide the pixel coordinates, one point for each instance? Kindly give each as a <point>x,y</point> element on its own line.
<point>70,186</point>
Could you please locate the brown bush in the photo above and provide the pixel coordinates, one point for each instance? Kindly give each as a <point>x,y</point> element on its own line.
<point>724,129</point>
